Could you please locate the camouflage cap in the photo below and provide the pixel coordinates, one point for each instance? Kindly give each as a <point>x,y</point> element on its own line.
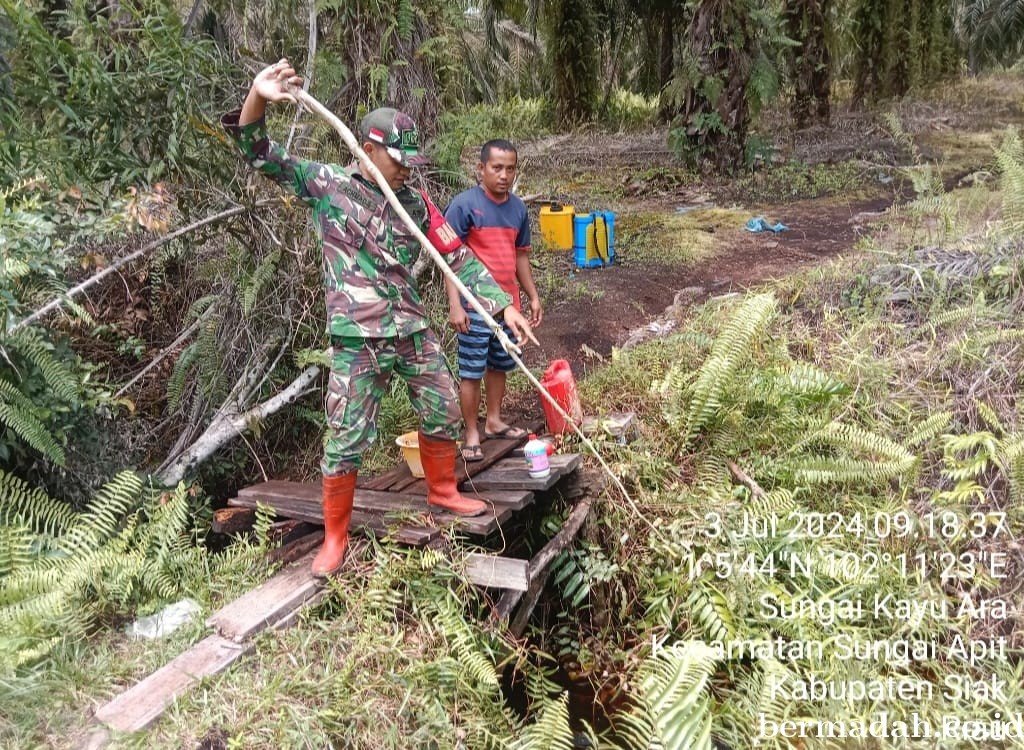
<point>397,132</point>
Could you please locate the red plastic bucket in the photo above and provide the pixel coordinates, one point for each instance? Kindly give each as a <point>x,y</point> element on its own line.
<point>559,382</point>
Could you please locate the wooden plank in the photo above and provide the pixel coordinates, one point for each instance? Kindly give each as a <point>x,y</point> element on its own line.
<point>141,705</point>
<point>296,548</point>
<point>511,473</point>
<point>513,499</point>
<point>400,479</point>
<point>255,610</point>
<point>232,520</point>
<point>281,489</point>
<point>283,495</point>
<point>498,572</point>
<point>302,500</point>
<point>539,571</point>
<point>390,502</point>
<point>403,533</point>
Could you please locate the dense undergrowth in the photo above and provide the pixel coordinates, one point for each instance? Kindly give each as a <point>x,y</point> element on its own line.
<point>885,389</point>
<point>866,412</point>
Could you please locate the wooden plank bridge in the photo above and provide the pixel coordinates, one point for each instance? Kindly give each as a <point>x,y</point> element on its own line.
<point>391,506</point>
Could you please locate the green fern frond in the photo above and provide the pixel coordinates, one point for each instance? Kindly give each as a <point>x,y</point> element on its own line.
<point>949,317</point>
<point>103,517</point>
<point>777,503</point>
<point>16,548</point>
<point>709,470</point>
<point>964,493</point>
<point>858,439</point>
<point>11,394</point>
<point>807,382</point>
<point>1010,158</point>
<point>550,730</point>
<point>27,427</point>
<point>31,345</point>
<point>405,19</point>
<point>930,428</point>
<point>263,273</point>
<point>49,607</point>
<point>716,375</point>
<point>176,382</point>
<point>967,457</point>
<point>31,507</point>
<point>759,695</point>
<point>210,355</point>
<point>1012,449</point>
<point>570,578</point>
<point>846,470</point>
<point>164,537</point>
<point>61,570</point>
<point>1000,336</point>
<point>710,612</point>
<point>671,388</point>
<point>673,708</point>
<point>447,620</point>
<point>989,417</point>
<point>540,686</point>
<point>1015,471</point>
<point>201,305</point>
<point>899,135</point>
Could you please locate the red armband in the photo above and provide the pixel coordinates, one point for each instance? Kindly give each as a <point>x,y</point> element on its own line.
<point>440,232</point>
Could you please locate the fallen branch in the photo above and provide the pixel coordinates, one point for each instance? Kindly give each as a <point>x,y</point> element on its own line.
<point>740,476</point>
<point>538,571</point>
<point>121,262</point>
<point>229,424</point>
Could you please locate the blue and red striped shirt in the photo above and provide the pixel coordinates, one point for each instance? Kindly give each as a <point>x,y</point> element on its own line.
<point>495,232</point>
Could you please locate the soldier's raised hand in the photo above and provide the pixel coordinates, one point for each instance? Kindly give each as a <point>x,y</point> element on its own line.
<point>269,83</point>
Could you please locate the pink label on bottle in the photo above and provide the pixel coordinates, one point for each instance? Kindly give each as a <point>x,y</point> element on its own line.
<point>536,454</point>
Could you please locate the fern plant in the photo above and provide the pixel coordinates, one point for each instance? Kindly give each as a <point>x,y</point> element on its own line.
<point>1010,157</point>
<point>876,458</point>
<point>690,407</point>
<point>673,708</point>
<point>65,571</point>
<point>34,384</point>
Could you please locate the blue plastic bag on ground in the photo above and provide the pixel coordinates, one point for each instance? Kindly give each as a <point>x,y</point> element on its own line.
<point>759,224</point>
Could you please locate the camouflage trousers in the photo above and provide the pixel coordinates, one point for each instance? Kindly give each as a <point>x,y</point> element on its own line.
<point>361,371</point>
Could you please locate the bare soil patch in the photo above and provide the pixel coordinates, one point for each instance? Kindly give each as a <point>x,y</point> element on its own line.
<point>637,174</point>
<point>620,299</point>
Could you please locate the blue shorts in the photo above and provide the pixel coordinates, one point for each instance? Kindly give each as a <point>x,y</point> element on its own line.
<point>480,349</point>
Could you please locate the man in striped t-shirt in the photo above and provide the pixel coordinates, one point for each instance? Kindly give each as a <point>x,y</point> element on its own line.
<point>494,224</point>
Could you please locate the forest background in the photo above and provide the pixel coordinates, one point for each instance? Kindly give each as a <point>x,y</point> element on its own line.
<point>163,345</point>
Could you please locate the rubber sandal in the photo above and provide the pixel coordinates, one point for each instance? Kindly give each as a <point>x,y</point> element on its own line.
<point>472,453</point>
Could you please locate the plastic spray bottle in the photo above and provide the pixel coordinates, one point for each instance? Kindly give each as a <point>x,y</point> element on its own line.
<point>536,453</point>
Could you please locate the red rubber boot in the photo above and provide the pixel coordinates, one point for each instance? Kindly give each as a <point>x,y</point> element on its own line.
<point>339,492</point>
<point>438,458</point>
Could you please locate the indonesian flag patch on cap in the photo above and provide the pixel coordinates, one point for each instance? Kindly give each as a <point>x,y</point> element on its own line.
<point>397,132</point>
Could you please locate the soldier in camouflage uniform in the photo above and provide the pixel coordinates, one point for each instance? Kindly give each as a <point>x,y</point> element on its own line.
<point>376,319</point>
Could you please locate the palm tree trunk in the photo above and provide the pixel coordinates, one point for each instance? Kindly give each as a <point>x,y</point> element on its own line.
<point>810,64</point>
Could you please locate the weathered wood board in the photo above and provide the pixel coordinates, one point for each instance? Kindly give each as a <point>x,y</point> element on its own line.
<point>510,473</point>
<point>303,500</point>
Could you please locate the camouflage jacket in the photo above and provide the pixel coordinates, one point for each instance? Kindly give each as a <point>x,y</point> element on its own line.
<point>368,252</point>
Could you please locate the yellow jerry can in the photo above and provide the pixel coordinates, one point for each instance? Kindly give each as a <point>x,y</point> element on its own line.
<point>556,226</point>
